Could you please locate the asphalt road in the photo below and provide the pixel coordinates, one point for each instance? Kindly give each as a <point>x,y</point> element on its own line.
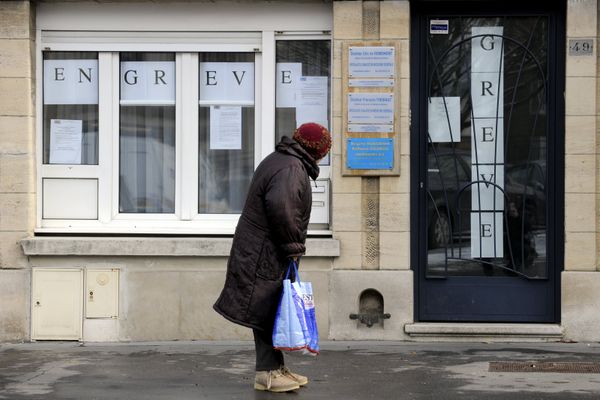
<point>343,370</point>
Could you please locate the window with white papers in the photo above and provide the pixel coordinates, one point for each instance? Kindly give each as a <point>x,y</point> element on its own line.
<point>153,122</point>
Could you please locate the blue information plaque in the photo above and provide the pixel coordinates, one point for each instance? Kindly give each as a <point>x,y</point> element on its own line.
<point>370,153</point>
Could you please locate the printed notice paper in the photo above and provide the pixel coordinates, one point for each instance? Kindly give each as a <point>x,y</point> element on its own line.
<point>65,141</point>
<point>370,108</point>
<point>444,119</point>
<point>311,100</point>
<point>225,128</point>
<point>371,62</point>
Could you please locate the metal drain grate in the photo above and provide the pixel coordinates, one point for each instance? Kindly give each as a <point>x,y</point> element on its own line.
<point>532,366</point>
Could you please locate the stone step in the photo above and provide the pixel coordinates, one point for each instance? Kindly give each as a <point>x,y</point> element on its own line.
<point>487,332</point>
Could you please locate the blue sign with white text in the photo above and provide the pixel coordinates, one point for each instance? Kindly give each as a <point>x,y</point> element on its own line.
<point>370,153</point>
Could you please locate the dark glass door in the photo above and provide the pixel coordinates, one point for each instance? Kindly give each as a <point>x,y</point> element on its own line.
<point>487,139</point>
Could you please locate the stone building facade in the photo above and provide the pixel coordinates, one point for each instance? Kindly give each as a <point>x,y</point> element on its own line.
<point>369,252</point>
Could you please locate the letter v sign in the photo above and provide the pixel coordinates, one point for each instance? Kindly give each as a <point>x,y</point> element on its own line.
<point>237,78</point>
<point>488,181</point>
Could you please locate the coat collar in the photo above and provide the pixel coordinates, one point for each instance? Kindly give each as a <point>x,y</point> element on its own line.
<point>291,147</point>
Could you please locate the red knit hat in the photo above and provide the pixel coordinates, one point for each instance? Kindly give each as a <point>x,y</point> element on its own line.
<point>314,138</point>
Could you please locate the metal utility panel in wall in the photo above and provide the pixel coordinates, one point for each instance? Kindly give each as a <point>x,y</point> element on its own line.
<point>57,304</point>
<point>102,293</point>
<point>320,202</point>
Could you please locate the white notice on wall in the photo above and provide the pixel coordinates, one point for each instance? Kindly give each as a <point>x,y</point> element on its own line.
<point>444,119</point>
<point>287,77</point>
<point>225,128</point>
<point>370,108</point>
<point>65,141</point>
<point>371,61</point>
<point>311,100</point>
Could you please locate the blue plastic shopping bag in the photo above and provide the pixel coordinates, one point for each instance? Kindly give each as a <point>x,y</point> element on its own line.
<point>311,334</point>
<point>288,331</point>
<point>295,323</point>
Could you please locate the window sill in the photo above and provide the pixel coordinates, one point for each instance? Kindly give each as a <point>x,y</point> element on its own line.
<point>169,247</point>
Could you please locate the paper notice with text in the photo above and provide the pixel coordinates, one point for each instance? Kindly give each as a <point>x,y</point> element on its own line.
<point>311,101</point>
<point>65,141</point>
<point>225,128</point>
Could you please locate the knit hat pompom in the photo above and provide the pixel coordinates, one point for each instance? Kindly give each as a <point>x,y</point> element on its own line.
<point>314,138</point>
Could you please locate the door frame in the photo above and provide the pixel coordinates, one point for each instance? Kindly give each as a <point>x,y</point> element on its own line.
<point>556,11</point>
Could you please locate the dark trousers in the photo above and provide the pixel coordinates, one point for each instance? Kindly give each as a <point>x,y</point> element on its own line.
<point>267,358</point>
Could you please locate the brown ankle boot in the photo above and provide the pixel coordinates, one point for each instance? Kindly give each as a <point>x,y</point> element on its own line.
<point>300,379</point>
<point>274,381</point>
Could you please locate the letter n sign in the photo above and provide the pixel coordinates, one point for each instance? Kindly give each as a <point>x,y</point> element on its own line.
<point>70,81</point>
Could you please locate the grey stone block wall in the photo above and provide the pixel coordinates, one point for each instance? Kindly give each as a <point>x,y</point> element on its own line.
<point>17,160</point>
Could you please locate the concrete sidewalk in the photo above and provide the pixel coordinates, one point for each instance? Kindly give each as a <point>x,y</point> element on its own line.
<point>344,370</point>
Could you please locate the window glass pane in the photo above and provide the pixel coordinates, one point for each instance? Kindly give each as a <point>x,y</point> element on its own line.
<point>303,85</point>
<point>486,178</point>
<point>226,131</point>
<point>147,133</point>
<point>70,133</point>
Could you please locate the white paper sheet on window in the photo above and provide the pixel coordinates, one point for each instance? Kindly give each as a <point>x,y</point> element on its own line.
<point>444,119</point>
<point>487,141</point>
<point>226,83</point>
<point>148,82</point>
<point>225,128</point>
<point>70,81</point>
<point>65,141</point>
<point>288,75</point>
<point>311,100</point>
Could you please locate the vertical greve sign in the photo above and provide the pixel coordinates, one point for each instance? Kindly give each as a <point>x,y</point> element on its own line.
<point>487,142</point>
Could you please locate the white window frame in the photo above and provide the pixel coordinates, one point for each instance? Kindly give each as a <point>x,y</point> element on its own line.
<point>325,170</point>
<point>186,44</point>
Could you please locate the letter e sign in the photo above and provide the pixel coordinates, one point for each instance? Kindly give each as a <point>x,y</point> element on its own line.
<point>226,83</point>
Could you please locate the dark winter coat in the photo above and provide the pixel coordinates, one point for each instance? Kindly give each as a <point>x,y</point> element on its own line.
<point>271,229</point>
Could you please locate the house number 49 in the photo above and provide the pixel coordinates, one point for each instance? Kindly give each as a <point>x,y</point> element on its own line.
<point>581,47</point>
